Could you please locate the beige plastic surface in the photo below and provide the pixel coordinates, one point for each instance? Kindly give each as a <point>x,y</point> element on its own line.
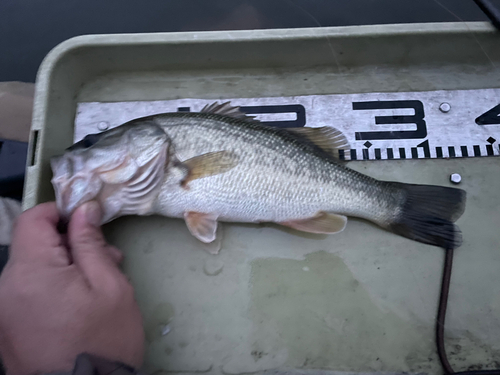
<point>360,301</point>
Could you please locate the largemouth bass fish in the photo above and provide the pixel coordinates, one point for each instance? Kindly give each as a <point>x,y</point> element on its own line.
<point>220,165</point>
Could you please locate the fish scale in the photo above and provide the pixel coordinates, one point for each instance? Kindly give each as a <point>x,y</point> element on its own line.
<point>285,178</point>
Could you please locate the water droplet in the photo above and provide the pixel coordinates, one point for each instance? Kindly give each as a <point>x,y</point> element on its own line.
<point>213,267</point>
<point>165,330</point>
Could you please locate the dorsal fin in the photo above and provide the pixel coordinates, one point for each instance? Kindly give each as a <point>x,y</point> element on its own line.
<point>226,109</point>
<point>329,139</point>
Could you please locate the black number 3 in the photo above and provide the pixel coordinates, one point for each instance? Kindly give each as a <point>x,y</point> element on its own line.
<point>417,118</point>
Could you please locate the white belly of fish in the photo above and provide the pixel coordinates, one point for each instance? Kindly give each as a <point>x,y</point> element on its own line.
<point>250,199</point>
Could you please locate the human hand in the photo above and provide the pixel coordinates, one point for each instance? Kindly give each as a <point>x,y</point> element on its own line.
<point>64,295</point>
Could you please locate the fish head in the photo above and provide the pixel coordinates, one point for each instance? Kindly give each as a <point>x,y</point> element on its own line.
<point>122,169</point>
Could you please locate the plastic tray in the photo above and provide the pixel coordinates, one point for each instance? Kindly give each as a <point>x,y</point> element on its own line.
<point>275,300</point>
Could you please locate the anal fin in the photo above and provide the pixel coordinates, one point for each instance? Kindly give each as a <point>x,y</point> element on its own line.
<point>321,223</point>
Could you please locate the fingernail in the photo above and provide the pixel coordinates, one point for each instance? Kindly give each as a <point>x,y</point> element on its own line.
<point>92,213</point>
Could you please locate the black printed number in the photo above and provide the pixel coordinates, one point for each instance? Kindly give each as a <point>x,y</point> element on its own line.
<point>490,117</point>
<point>417,118</point>
<point>298,109</point>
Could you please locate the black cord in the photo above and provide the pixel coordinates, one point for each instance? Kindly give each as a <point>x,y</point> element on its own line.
<point>441,316</point>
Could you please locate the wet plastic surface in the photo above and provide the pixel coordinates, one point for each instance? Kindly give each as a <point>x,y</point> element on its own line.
<point>363,300</point>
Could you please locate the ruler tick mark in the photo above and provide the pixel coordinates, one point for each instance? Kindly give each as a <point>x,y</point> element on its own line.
<point>353,154</point>
<point>465,152</point>
<point>425,146</point>
<point>341,154</point>
<point>477,150</point>
<point>451,151</point>
<point>489,150</point>
<point>439,152</point>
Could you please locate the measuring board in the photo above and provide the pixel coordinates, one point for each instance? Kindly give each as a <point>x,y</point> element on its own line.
<point>403,125</point>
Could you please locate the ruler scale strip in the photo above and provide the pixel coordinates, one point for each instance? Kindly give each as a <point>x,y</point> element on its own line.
<point>378,126</point>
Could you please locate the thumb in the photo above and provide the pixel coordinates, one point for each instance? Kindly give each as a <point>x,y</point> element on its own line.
<point>87,244</point>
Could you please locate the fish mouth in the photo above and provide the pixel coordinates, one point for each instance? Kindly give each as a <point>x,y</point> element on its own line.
<point>71,191</point>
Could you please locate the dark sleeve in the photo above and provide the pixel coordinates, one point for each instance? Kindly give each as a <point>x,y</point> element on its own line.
<point>87,364</point>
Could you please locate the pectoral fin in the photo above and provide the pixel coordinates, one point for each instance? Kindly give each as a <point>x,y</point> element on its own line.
<point>201,225</point>
<point>209,164</point>
<point>322,222</point>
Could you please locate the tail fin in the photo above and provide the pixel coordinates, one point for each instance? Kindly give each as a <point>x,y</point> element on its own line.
<point>428,214</point>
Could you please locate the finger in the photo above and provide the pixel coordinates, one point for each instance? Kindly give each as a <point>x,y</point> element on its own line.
<point>115,254</point>
<point>89,247</point>
<point>36,238</point>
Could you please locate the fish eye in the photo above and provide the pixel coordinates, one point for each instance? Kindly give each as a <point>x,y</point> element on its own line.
<point>86,142</point>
